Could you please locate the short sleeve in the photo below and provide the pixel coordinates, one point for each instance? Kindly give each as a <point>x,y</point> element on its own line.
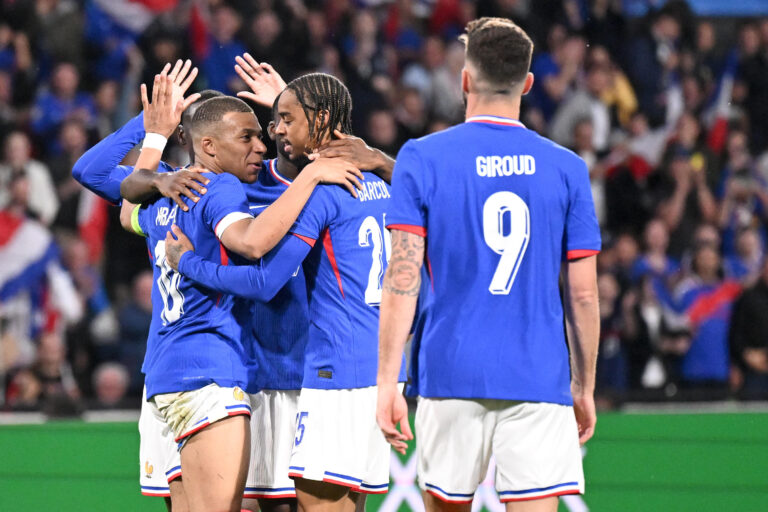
<point>407,211</point>
<point>582,231</point>
<point>224,203</point>
<point>317,214</point>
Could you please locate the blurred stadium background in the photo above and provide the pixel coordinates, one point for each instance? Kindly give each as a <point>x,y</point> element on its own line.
<point>667,101</point>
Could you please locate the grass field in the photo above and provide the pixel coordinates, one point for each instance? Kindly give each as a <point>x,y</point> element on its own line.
<point>636,462</point>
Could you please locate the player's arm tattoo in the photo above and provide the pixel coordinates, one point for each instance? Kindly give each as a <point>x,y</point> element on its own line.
<point>403,275</point>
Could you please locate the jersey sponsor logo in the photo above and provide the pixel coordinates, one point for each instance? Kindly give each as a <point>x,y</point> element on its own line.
<point>238,394</point>
<point>166,215</point>
<point>494,166</point>
<point>148,469</point>
<point>373,190</point>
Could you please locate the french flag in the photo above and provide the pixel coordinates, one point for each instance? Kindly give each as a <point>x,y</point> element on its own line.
<point>720,106</point>
<point>26,251</point>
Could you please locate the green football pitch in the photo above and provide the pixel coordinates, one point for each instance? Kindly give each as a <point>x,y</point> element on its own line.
<point>636,462</point>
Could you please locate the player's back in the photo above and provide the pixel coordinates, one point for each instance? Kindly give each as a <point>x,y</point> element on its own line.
<point>344,272</point>
<point>279,328</point>
<point>501,208</point>
<point>194,337</point>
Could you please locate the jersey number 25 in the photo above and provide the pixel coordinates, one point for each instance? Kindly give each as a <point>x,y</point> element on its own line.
<point>506,230</point>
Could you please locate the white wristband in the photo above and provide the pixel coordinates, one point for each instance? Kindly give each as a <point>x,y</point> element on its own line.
<point>154,141</point>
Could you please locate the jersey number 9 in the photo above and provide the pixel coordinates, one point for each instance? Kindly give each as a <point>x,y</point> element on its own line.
<point>506,230</point>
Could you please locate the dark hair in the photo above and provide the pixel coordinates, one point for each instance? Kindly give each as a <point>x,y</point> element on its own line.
<point>213,110</point>
<point>317,92</point>
<point>188,114</point>
<point>274,107</point>
<point>500,51</point>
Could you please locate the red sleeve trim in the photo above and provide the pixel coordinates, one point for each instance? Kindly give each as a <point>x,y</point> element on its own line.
<point>581,253</point>
<point>310,241</point>
<point>409,228</point>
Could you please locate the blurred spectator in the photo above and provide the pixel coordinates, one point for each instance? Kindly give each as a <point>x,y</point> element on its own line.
<point>48,383</point>
<point>381,131</point>
<point>686,199</point>
<point>654,59</point>
<point>749,338</point>
<point>611,378</point>
<point>746,264</point>
<point>585,103</point>
<point>134,319</point>
<point>58,30</point>
<point>706,300</point>
<point>753,71</point>
<point>41,198</point>
<point>62,102</point>
<point>556,70</point>
<point>223,47</point>
<point>73,141</point>
<point>654,261</point>
<point>744,194</point>
<point>110,384</point>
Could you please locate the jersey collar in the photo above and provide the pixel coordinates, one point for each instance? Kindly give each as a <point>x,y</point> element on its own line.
<point>280,178</point>
<point>503,121</point>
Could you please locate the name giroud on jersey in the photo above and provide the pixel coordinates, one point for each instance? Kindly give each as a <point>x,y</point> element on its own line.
<point>493,166</point>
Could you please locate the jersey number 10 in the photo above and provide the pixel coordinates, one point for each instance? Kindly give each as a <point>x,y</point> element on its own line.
<point>506,210</point>
<point>168,285</point>
<point>372,235</point>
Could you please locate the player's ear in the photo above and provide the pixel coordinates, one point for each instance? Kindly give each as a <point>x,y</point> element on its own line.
<point>528,83</point>
<point>208,146</point>
<point>182,135</point>
<point>271,130</point>
<point>465,78</point>
<point>321,121</point>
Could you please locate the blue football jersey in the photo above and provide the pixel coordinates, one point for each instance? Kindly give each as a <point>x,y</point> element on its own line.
<point>279,328</point>
<point>344,272</point>
<point>501,208</point>
<point>194,337</point>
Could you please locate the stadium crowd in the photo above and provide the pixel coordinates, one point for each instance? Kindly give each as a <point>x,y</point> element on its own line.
<point>669,111</point>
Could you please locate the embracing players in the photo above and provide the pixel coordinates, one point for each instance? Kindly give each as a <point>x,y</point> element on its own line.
<point>501,211</point>
<point>338,451</point>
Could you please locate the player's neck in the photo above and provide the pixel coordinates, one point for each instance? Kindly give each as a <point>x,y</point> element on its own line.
<point>478,105</point>
<point>207,163</point>
<point>286,168</point>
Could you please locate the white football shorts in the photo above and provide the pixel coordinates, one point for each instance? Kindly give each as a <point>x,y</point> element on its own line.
<point>159,458</point>
<point>535,444</point>
<point>188,412</point>
<point>273,425</point>
<point>338,441</point>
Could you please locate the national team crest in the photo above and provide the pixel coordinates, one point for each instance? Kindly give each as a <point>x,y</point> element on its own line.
<point>148,469</point>
<point>238,394</point>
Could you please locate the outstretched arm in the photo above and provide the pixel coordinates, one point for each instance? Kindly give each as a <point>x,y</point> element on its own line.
<point>259,281</point>
<point>253,238</point>
<point>98,169</point>
<point>398,306</point>
<point>161,117</point>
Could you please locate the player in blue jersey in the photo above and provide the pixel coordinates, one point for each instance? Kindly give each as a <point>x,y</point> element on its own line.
<point>100,171</point>
<point>196,363</point>
<point>497,212</point>
<point>338,451</point>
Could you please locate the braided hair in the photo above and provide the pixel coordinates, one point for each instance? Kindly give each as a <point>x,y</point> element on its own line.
<point>318,92</point>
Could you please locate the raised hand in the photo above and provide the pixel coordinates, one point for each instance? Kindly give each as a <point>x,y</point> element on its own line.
<point>163,114</point>
<point>336,171</point>
<point>182,76</point>
<point>265,83</point>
